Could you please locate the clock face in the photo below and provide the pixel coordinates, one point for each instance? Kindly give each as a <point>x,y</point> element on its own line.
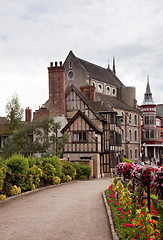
<point>71,74</point>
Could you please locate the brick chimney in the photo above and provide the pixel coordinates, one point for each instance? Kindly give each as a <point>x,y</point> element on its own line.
<point>56,90</point>
<point>89,92</point>
<point>28,114</point>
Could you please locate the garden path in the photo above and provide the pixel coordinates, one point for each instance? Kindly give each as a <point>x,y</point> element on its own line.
<point>73,211</point>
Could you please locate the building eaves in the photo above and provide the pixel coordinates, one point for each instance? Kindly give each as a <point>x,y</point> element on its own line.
<point>115,102</point>
<point>84,116</point>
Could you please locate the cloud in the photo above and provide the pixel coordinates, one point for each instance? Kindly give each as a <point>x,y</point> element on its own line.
<point>34,33</point>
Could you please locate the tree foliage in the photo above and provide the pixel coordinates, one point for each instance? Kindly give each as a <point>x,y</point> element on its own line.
<point>14,112</point>
<point>36,137</point>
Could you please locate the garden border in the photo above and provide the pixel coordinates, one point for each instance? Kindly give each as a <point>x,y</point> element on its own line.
<point>108,210</point>
<point>8,199</point>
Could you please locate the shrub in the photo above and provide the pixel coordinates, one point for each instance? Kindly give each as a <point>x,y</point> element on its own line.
<point>65,178</point>
<point>2,197</point>
<point>2,177</point>
<point>37,173</point>
<point>14,190</point>
<point>56,180</point>
<point>54,160</point>
<point>68,169</point>
<point>18,164</point>
<point>82,171</point>
<point>48,173</point>
<point>17,170</point>
<point>31,161</point>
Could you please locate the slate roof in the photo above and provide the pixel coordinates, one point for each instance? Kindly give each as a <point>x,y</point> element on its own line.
<point>101,74</point>
<point>148,100</point>
<point>159,110</point>
<point>114,102</point>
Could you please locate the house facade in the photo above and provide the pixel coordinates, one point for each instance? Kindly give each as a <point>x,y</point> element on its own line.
<point>103,121</point>
<point>151,127</point>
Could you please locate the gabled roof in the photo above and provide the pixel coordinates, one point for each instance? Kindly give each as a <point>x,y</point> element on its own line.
<point>101,74</point>
<point>89,104</point>
<point>83,115</point>
<point>115,102</point>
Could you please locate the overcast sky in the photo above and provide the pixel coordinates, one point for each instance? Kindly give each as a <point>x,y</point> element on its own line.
<point>35,32</point>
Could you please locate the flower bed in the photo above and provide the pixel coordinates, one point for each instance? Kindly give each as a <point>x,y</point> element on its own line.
<point>134,214</point>
<point>131,217</point>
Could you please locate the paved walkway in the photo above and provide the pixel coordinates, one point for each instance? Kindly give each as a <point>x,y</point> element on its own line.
<point>73,211</point>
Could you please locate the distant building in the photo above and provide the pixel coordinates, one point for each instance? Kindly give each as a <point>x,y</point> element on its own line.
<point>151,127</point>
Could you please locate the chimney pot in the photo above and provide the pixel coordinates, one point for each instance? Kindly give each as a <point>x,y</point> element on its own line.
<point>60,63</point>
<point>51,64</point>
<point>56,64</point>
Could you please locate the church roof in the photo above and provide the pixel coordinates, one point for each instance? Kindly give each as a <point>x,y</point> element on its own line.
<point>100,73</point>
<point>148,100</point>
<point>114,102</point>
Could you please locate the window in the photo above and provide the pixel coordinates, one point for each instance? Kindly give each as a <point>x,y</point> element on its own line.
<point>135,120</point>
<point>122,135</point>
<point>112,138</point>
<point>122,117</point>
<point>129,118</point>
<point>108,90</point>
<point>93,84</point>
<point>135,135</point>
<point>80,137</point>
<point>151,119</point>
<point>146,120</point>
<point>130,154</point>
<point>99,87</point>
<point>130,135</point>
<point>70,64</point>
<point>112,118</point>
<point>136,153</point>
<point>162,134</point>
<point>147,134</point>
<point>152,134</point>
<point>114,91</point>
<point>71,74</point>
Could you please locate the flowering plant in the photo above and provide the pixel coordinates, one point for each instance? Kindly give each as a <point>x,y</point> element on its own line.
<point>158,182</point>
<point>127,170</point>
<point>142,175</point>
<point>119,168</point>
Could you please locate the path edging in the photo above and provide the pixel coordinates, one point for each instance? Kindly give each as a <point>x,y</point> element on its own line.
<point>113,232</point>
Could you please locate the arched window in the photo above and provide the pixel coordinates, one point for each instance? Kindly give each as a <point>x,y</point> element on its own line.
<point>130,154</point>
<point>99,87</point>
<point>130,135</point>
<point>114,91</point>
<point>122,135</point>
<point>135,120</point>
<point>70,64</point>
<point>136,153</point>
<point>135,136</point>
<point>108,90</point>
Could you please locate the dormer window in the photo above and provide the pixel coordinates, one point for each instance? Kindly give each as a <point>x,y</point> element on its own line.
<point>99,87</point>
<point>108,90</point>
<point>114,91</point>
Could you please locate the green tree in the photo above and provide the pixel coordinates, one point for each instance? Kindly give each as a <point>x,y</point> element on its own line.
<point>14,112</point>
<point>36,137</point>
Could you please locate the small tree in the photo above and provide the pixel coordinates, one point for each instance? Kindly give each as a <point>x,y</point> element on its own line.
<point>14,112</point>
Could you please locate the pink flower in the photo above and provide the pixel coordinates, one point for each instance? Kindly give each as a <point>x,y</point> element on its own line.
<point>120,217</point>
<point>119,208</point>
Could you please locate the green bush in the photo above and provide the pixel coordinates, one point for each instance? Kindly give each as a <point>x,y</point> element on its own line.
<point>48,173</point>
<point>68,169</point>
<point>82,171</point>
<point>56,180</point>
<point>54,160</point>
<point>18,164</point>
<point>32,161</point>
<point>65,178</point>
<point>2,176</point>
<point>37,173</point>
<point>14,190</point>
<point>17,171</point>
